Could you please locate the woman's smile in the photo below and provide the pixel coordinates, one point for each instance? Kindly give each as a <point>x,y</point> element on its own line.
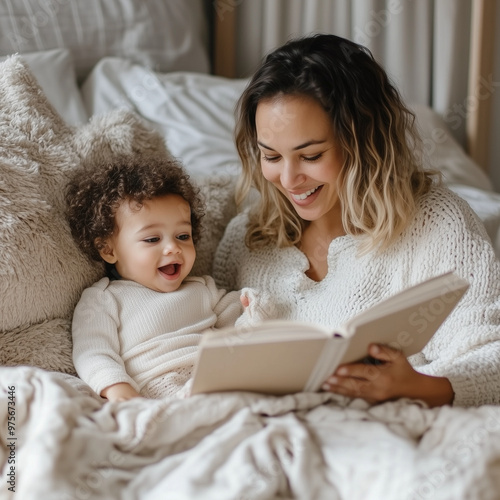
<point>306,197</point>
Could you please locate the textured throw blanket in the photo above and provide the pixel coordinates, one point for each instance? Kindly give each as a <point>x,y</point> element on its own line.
<point>70,444</point>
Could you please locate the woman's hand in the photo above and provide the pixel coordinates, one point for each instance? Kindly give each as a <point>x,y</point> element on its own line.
<point>390,377</point>
<point>120,392</point>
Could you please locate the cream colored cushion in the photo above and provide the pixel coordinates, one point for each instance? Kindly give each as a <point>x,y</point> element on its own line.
<point>42,272</point>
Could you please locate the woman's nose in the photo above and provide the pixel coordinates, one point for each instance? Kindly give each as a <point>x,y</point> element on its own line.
<point>291,175</point>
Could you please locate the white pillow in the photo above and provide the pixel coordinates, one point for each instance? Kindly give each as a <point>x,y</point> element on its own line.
<point>445,153</point>
<point>168,35</point>
<point>194,112</point>
<point>55,73</point>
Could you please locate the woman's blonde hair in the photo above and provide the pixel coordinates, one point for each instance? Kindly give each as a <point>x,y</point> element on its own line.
<point>382,176</point>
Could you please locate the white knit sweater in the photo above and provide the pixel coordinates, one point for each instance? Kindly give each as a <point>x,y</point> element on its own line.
<point>445,235</point>
<point>125,332</point>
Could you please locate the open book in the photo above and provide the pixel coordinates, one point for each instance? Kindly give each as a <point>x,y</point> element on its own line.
<point>281,357</point>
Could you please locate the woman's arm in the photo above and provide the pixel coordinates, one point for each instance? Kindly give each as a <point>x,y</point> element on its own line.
<point>463,354</point>
<point>466,348</point>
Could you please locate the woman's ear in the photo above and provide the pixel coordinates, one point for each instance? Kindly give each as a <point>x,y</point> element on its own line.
<point>106,251</point>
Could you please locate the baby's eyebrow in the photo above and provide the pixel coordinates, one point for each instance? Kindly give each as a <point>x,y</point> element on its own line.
<point>142,229</point>
<point>146,228</point>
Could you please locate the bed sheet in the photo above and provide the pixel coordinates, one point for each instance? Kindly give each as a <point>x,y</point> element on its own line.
<point>193,112</point>
<point>241,446</point>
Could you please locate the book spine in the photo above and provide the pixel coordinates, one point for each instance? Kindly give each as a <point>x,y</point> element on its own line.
<point>326,364</point>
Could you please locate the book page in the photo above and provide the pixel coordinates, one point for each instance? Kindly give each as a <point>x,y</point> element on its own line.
<point>446,286</point>
<point>406,321</point>
<point>331,356</point>
<point>267,331</point>
<point>269,367</point>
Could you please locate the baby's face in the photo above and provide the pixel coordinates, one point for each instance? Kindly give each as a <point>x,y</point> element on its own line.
<point>153,244</point>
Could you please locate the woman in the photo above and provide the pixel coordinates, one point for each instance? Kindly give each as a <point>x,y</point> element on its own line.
<point>347,216</point>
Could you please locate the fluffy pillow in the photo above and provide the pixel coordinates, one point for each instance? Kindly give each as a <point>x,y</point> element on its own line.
<point>42,272</point>
<point>218,194</point>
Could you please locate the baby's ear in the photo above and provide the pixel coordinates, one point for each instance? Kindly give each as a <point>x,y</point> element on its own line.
<point>106,251</point>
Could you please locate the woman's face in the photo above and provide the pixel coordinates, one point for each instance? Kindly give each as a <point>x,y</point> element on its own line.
<point>300,155</point>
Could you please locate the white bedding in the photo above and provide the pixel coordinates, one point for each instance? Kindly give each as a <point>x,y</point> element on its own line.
<point>193,111</point>
<point>239,446</point>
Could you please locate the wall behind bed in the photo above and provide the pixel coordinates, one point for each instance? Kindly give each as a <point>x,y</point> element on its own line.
<point>425,47</point>
<point>164,35</point>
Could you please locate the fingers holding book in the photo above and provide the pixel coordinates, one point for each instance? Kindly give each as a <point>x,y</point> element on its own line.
<point>385,375</point>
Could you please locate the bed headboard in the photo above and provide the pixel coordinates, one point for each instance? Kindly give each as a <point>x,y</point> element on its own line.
<point>480,69</point>
<point>478,103</point>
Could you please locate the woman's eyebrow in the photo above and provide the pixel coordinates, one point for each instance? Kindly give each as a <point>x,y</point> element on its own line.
<point>264,146</point>
<point>300,146</point>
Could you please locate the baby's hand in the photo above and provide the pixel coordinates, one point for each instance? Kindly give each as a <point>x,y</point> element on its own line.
<point>120,392</point>
<point>245,301</point>
<point>258,307</point>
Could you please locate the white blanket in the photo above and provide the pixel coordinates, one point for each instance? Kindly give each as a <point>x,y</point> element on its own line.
<point>70,444</point>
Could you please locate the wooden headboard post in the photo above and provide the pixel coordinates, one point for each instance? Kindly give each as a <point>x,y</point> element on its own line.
<point>479,95</point>
<point>225,37</point>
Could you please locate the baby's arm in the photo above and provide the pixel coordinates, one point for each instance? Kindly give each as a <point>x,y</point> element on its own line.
<point>256,306</point>
<point>226,306</point>
<point>120,392</point>
<point>96,343</point>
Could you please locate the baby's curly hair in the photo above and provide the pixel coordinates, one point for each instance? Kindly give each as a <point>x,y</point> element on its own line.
<point>95,192</point>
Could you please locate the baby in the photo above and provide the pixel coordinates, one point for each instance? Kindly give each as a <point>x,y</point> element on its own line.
<point>136,331</point>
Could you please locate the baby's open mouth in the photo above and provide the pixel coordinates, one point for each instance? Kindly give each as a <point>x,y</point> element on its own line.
<point>170,269</point>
